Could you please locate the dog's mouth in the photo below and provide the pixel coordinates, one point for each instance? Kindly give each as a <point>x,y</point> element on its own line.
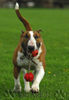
<point>33,53</point>
<point>30,51</point>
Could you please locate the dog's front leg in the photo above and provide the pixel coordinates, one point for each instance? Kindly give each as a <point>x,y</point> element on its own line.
<point>38,77</point>
<point>17,86</point>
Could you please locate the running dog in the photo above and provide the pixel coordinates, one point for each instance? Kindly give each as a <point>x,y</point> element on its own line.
<point>29,41</point>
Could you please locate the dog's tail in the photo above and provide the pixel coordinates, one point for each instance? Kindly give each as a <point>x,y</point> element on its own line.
<point>22,19</point>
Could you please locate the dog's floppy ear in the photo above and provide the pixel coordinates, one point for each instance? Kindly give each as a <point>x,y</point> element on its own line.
<point>39,30</point>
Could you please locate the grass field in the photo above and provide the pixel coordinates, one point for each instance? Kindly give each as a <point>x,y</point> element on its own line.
<point>55,26</point>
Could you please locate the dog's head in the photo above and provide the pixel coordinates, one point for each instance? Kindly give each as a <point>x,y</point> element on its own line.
<point>30,40</point>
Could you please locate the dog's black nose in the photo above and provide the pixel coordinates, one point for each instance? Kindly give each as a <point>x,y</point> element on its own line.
<point>31,48</point>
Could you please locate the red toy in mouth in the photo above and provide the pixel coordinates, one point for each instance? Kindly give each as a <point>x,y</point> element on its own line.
<point>29,77</point>
<point>34,53</point>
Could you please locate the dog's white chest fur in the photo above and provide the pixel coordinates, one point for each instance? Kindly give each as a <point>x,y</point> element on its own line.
<point>24,62</point>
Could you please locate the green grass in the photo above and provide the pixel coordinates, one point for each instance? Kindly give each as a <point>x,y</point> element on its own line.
<point>55,26</point>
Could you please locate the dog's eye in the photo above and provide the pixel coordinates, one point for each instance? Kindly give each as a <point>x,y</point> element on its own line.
<point>36,37</point>
<point>26,36</point>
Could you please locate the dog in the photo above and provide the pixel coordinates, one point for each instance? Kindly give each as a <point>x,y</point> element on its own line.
<point>29,41</point>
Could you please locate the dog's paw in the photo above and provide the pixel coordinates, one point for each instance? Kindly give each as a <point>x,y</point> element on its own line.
<point>35,89</point>
<point>17,88</point>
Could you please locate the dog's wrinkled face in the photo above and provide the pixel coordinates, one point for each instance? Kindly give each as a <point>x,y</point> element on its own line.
<point>30,41</point>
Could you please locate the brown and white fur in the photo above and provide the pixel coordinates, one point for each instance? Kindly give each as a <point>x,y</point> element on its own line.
<point>21,62</point>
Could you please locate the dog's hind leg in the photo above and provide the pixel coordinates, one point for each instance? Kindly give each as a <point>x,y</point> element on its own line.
<point>17,86</point>
<point>26,84</point>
